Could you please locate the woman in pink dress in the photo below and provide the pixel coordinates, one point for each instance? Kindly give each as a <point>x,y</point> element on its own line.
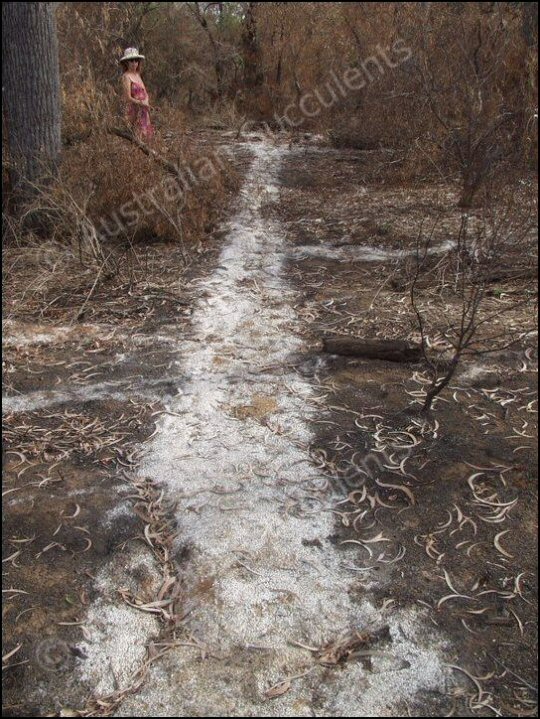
<point>137,104</point>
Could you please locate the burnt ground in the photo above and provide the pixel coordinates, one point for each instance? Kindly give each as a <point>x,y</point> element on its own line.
<point>83,390</point>
<point>85,372</point>
<point>78,402</point>
<point>463,532</point>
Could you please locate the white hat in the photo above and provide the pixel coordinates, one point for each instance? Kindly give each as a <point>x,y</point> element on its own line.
<point>131,53</point>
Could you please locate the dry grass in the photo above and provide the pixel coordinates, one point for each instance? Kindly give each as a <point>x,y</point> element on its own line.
<point>110,174</point>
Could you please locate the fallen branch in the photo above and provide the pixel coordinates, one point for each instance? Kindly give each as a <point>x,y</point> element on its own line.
<point>143,147</point>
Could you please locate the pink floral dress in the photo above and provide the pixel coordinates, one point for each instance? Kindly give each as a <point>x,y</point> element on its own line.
<point>139,116</point>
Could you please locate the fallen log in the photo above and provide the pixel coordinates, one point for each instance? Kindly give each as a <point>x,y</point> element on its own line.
<point>389,350</point>
<point>525,273</point>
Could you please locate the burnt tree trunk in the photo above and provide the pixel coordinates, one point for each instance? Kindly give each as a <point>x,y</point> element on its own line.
<point>253,74</point>
<point>390,350</point>
<point>31,91</point>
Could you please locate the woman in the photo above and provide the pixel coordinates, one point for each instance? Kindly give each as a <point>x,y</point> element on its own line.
<point>138,107</point>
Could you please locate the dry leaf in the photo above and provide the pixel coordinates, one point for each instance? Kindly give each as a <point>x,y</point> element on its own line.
<point>279,689</point>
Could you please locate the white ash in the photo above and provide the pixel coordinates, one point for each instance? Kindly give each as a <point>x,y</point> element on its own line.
<point>249,508</point>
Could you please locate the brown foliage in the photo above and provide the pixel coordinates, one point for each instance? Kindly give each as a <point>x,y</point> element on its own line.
<point>464,101</point>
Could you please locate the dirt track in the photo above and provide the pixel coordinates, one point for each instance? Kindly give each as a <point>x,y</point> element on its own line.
<point>293,596</point>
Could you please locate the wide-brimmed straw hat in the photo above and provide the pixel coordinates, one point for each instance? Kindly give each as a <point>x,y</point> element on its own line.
<point>131,53</point>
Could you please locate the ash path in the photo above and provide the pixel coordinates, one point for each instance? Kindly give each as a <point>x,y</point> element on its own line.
<point>260,569</point>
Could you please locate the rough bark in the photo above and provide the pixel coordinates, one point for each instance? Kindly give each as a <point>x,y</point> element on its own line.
<point>389,350</point>
<point>31,90</point>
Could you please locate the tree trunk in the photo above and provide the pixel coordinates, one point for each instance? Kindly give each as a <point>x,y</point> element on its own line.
<point>31,90</point>
<point>253,75</point>
<point>438,385</point>
<point>219,67</point>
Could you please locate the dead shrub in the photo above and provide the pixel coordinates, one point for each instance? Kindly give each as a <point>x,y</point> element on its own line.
<point>88,231</point>
<point>480,297</point>
<point>132,197</point>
